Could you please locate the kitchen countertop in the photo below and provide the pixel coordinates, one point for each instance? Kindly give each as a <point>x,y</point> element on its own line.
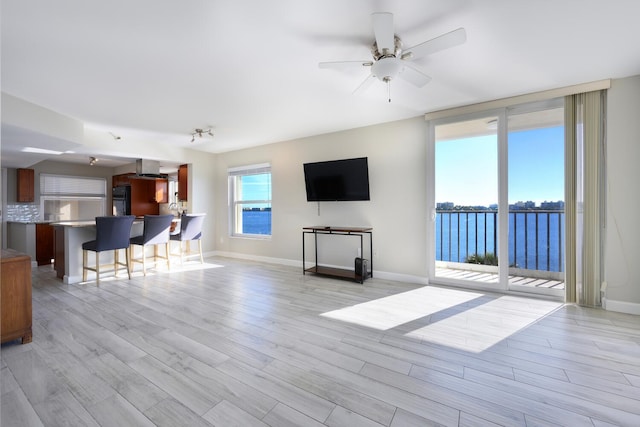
<point>87,223</point>
<point>83,223</point>
<point>29,222</point>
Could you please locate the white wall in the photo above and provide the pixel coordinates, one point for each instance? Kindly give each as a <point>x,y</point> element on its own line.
<point>396,154</point>
<point>622,234</point>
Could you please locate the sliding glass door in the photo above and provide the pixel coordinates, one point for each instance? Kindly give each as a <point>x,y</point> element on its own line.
<point>466,200</point>
<point>536,199</point>
<point>498,199</point>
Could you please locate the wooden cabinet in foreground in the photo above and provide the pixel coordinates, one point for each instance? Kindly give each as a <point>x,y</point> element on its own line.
<point>15,296</point>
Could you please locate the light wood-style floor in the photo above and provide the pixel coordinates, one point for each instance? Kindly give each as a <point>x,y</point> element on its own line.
<point>239,343</point>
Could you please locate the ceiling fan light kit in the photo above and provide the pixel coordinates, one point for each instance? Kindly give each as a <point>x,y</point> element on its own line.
<point>386,69</point>
<point>389,61</point>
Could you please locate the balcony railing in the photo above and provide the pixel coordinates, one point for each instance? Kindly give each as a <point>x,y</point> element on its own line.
<point>536,237</point>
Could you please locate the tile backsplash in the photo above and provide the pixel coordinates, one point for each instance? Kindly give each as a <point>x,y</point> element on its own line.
<point>23,212</point>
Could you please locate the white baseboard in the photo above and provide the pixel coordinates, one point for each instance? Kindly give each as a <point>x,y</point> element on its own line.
<point>384,275</point>
<point>70,280</point>
<point>621,306</point>
<point>399,277</point>
<point>269,260</point>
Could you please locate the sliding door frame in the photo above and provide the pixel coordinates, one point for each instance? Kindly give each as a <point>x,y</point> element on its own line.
<point>502,133</point>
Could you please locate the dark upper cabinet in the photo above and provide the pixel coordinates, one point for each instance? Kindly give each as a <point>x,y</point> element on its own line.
<point>122,179</point>
<point>162,191</point>
<point>183,177</point>
<point>25,192</point>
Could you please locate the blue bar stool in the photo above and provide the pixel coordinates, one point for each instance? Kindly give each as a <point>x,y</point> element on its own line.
<point>156,232</point>
<point>112,234</point>
<point>190,229</point>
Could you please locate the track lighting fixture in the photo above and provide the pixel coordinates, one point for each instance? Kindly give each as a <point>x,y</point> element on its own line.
<point>200,132</point>
<point>92,161</point>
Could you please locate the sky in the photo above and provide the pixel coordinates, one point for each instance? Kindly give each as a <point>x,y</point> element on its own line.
<point>256,187</point>
<point>467,169</point>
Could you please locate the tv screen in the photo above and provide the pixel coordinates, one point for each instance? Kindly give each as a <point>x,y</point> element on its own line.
<point>337,180</point>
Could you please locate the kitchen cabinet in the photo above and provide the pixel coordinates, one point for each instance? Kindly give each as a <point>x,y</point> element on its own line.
<point>44,244</point>
<point>15,296</point>
<point>146,194</point>
<point>58,254</point>
<point>25,179</point>
<point>122,179</point>
<point>143,197</point>
<point>162,191</point>
<point>183,177</point>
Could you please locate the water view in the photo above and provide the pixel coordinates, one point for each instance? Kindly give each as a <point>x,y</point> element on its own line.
<point>536,237</point>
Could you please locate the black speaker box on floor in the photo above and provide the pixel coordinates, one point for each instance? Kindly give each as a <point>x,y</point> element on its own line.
<point>361,267</point>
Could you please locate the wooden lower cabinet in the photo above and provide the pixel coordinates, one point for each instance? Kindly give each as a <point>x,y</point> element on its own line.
<point>44,244</point>
<point>58,251</point>
<point>15,296</point>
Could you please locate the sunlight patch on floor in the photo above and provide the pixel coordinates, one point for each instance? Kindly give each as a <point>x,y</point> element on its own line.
<point>161,268</point>
<point>152,270</point>
<point>395,310</point>
<point>481,327</point>
<point>467,320</point>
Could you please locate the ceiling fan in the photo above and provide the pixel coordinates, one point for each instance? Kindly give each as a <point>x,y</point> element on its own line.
<point>391,61</point>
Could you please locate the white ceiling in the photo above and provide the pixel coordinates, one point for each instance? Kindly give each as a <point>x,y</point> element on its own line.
<point>249,68</point>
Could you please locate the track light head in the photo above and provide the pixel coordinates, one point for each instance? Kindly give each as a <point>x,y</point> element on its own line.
<point>200,132</point>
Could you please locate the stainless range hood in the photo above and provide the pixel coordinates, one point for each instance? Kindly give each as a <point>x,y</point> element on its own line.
<point>148,169</point>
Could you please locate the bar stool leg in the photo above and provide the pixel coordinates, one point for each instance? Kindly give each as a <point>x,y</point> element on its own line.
<point>84,265</point>
<point>128,262</point>
<point>97,267</point>
<point>116,259</point>
<point>167,251</point>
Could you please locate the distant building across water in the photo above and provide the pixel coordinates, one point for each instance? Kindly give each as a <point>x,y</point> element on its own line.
<point>518,206</point>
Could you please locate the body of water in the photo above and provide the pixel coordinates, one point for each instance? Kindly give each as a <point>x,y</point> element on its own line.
<point>536,238</point>
<point>256,222</point>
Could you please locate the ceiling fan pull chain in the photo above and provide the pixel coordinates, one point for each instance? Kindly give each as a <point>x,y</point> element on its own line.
<point>389,90</point>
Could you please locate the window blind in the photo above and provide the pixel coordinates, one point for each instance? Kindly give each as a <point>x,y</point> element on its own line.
<point>59,185</point>
<point>250,169</point>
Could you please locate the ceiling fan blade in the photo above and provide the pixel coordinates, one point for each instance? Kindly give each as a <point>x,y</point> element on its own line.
<point>383,30</point>
<point>414,76</point>
<point>365,84</point>
<point>341,65</point>
<point>445,41</point>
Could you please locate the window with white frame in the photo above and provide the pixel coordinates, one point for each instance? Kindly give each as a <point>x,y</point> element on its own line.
<point>250,200</point>
<point>69,198</point>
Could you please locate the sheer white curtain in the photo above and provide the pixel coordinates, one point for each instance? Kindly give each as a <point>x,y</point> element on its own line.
<point>584,195</point>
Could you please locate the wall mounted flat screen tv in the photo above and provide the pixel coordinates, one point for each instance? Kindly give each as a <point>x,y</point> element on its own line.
<point>337,180</point>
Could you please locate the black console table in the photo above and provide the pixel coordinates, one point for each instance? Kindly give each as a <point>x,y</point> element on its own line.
<point>338,231</point>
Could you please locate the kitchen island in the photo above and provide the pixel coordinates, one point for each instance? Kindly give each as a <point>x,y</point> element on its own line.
<point>69,237</point>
